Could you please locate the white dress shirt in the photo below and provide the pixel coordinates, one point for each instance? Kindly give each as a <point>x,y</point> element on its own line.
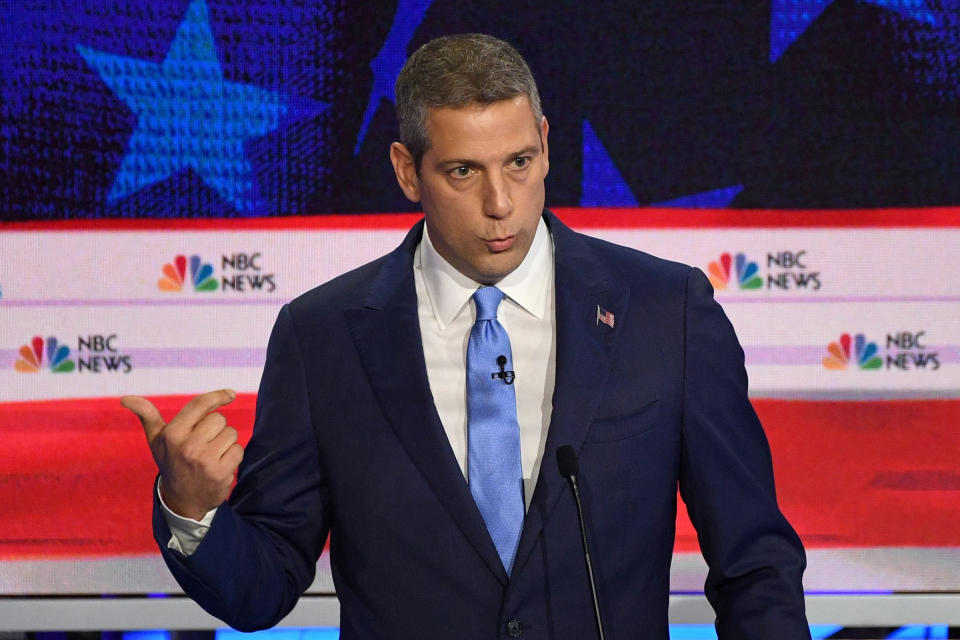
<point>446,316</point>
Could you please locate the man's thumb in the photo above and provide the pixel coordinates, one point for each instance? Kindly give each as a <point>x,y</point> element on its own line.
<point>148,413</point>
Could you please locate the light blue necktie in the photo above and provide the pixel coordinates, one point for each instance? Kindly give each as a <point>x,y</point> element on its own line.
<point>493,465</point>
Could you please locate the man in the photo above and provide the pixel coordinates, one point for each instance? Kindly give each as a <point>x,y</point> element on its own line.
<point>413,410</point>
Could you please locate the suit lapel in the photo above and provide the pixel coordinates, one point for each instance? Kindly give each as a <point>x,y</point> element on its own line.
<point>386,332</point>
<point>585,349</point>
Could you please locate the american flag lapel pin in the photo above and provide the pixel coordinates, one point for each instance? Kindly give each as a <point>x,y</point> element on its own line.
<point>604,316</point>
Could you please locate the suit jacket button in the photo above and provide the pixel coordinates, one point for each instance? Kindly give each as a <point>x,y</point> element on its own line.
<point>514,629</point>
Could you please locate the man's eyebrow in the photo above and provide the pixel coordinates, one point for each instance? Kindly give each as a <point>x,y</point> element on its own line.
<point>457,162</point>
<point>533,149</point>
<point>465,162</point>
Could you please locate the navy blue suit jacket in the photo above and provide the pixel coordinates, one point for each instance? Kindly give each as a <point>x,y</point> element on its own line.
<point>347,441</point>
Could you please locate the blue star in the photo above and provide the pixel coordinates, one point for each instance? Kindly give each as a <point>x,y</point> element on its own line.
<point>388,63</point>
<point>188,115</point>
<point>602,184</point>
<point>714,199</point>
<point>790,18</point>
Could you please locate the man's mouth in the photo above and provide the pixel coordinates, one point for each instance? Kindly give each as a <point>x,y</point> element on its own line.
<point>500,244</point>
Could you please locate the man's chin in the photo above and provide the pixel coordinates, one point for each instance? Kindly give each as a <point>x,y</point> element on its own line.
<point>494,273</point>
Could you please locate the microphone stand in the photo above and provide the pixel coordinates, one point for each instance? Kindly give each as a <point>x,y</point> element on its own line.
<point>567,461</point>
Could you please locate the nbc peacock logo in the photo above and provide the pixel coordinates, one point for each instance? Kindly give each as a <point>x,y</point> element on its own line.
<point>33,355</point>
<point>175,272</point>
<point>864,353</point>
<point>746,272</point>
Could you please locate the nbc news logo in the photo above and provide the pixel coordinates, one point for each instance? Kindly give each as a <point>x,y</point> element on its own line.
<point>905,351</point>
<point>785,270</point>
<point>240,272</point>
<point>37,354</point>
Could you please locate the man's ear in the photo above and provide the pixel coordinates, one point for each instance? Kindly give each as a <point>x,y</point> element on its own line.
<point>544,129</point>
<point>406,171</point>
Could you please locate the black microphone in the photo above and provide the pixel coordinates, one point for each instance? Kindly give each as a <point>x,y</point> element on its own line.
<point>569,468</point>
<point>506,376</point>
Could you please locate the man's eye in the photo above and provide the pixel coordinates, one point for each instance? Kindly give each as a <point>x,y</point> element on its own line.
<point>521,162</point>
<point>461,172</point>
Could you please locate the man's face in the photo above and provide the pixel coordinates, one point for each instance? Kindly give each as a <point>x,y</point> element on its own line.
<point>480,184</point>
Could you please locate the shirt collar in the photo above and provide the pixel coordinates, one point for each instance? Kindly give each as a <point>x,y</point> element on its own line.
<point>527,285</point>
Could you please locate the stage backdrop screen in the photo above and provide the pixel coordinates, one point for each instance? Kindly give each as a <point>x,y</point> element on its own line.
<point>172,172</point>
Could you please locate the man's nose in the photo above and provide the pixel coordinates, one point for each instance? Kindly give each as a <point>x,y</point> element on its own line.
<point>496,201</point>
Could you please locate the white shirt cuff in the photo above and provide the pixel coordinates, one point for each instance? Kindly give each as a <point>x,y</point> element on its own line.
<point>186,533</point>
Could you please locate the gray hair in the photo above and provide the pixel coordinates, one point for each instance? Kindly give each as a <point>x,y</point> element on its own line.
<point>455,71</point>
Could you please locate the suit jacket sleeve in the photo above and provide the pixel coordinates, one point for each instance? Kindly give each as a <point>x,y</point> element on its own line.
<point>756,560</point>
<point>261,550</point>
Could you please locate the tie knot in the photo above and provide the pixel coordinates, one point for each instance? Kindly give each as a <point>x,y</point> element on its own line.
<point>487,300</point>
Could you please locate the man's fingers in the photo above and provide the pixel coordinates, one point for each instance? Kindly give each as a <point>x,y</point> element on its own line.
<point>148,413</point>
<point>224,440</point>
<point>209,427</point>
<point>199,406</point>
<point>233,456</point>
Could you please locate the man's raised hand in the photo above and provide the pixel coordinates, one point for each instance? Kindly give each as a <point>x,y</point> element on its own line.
<point>197,452</point>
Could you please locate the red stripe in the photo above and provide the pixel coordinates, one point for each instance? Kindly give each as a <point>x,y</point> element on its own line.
<point>581,218</point>
<point>76,475</point>
<point>285,223</point>
<point>863,474</point>
<point>665,218</point>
